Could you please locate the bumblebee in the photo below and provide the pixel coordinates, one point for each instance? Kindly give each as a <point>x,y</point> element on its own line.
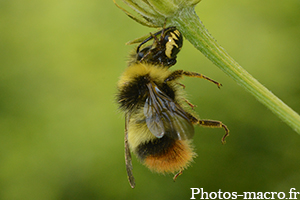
<point>159,121</point>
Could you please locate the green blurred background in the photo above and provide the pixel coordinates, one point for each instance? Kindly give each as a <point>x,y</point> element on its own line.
<point>61,135</point>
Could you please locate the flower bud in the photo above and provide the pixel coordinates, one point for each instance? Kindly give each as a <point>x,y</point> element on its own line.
<point>153,13</point>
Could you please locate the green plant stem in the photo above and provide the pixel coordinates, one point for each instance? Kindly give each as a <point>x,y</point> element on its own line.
<point>192,28</point>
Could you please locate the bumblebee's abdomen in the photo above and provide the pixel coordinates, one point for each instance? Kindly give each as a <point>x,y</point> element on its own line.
<point>166,155</point>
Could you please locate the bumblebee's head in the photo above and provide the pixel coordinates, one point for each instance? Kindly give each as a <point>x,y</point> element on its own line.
<point>172,41</point>
<point>164,50</point>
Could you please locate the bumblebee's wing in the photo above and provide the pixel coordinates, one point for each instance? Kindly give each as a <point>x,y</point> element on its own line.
<point>164,116</point>
<point>128,161</point>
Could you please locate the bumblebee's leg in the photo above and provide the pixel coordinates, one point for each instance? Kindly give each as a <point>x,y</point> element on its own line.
<point>183,86</point>
<point>190,104</point>
<point>153,36</point>
<point>176,175</point>
<point>148,39</point>
<point>128,161</point>
<point>215,124</point>
<point>187,101</point>
<point>148,53</point>
<point>179,73</point>
<point>211,124</point>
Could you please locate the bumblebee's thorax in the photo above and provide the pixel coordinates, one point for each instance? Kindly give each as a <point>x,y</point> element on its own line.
<point>132,85</point>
